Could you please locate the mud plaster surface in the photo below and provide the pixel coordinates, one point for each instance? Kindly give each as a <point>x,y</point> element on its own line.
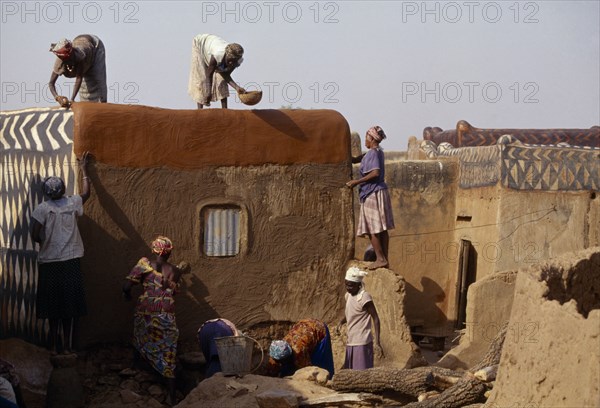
<point>142,136</point>
<point>489,304</point>
<point>298,237</point>
<point>551,356</point>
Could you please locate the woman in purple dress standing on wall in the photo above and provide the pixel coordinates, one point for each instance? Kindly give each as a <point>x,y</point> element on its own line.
<point>376,216</point>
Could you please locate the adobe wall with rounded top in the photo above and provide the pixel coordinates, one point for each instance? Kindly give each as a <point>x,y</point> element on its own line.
<point>157,171</point>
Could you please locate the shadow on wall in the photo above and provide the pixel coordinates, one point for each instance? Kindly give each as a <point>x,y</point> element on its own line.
<point>110,317</point>
<point>581,283</point>
<point>113,209</point>
<point>191,306</point>
<point>431,295</point>
<point>280,121</point>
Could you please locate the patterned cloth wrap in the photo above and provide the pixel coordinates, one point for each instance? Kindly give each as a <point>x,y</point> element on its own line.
<point>162,246</point>
<point>155,332</point>
<point>376,133</point>
<point>62,49</point>
<point>280,350</point>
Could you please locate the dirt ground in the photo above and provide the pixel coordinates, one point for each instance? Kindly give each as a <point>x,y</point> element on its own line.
<point>111,378</point>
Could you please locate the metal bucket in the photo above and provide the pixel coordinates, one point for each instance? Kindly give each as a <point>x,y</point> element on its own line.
<point>235,354</point>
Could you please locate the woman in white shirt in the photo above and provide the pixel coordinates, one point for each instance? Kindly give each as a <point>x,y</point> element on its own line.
<point>360,310</point>
<point>213,61</point>
<point>60,291</point>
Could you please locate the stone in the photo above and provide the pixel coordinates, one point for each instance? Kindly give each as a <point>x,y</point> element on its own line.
<point>144,376</point>
<point>32,363</point>
<point>239,392</point>
<point>312,373</point>
<point>131,385</point>
<point>128,372</point>
<point>152,403</point>
<point>278,399</point>
<point>155,390</point>
<point>116,367</point>
<point>234,385</point>
<point>129,397</point>
<point>109,380</point>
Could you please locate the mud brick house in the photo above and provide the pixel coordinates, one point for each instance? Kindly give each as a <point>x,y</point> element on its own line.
<point>255,200</point>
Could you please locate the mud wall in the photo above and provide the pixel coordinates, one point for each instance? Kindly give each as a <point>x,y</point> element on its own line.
<point>388,290</point>
<point>156,171</point>
<point>551,355</point>
<point>513,205</point>
<point>489,304</point>
<point>477,222</point>
<point>535,226</point>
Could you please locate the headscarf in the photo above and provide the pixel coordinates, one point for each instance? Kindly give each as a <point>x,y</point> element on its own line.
<point>53,186</point>
<point>354,274</point>
<point>234,51</point>
<point>280,350</point>
<point>162,246</point>
<point>376,133</point>
<point>62,49</point>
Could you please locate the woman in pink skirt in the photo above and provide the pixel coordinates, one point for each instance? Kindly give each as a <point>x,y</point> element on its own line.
<point>376,216</point>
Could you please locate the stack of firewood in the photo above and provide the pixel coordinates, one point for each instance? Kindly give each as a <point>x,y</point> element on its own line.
<point>431,386</point>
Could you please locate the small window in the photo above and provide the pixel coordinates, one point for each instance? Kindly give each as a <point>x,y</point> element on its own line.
<point>221,226</point>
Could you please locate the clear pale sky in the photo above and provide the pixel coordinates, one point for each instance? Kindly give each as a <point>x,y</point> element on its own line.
<point>403,65</point>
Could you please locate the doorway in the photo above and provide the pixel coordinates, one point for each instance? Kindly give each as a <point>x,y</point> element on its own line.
<point>467,272</point>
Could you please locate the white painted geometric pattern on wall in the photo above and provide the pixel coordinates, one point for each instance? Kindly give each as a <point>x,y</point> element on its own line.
<point>551,168</point>
<point>35,143</point>
<point>479,166</point>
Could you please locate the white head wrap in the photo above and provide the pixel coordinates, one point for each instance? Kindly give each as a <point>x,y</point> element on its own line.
<point>353,274</point>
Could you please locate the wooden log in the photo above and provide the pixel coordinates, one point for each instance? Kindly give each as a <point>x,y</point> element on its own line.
<point>467,390</point>
<point>487,374</point>
<point>492,357</point>
<point>458,388</point>
<point>428,395</point>
<point>408,382</point>
<point>342,400</point>
<point>442,382</point>
<point>440,378</point>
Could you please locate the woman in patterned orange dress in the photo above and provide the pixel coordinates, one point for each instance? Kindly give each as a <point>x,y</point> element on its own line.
<point>155,332</point>
<point>307,344</point>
